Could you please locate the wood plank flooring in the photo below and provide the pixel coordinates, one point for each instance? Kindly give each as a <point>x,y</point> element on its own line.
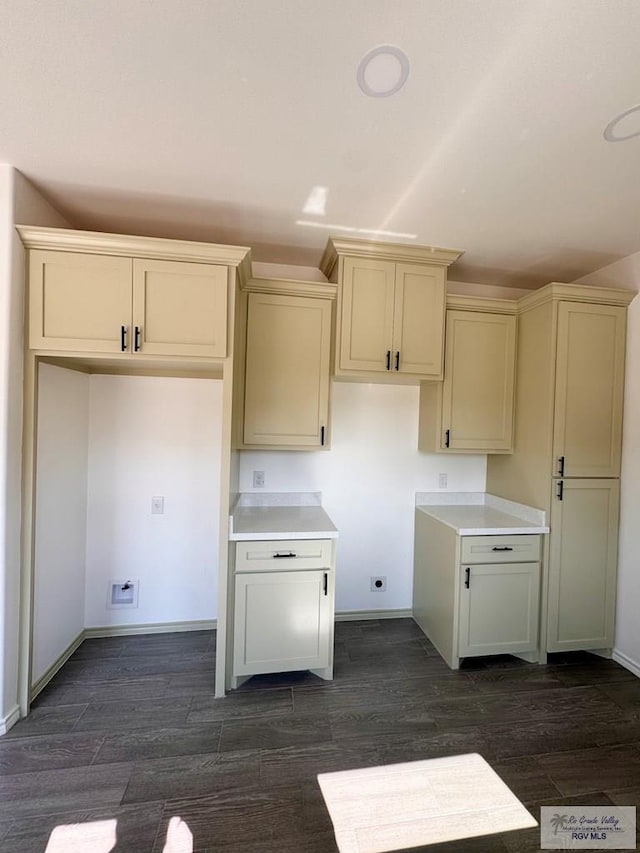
<point>129,731</point>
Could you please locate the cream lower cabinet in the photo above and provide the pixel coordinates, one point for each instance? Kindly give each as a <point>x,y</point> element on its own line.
<point>476,595</point>
<point>498,608</point>
<point>286,388</point>
<point>582,564</point>
<point>110,304</point>
<point>472,410</point>
<point>283,617</point>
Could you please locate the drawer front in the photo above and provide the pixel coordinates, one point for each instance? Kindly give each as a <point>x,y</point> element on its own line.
<point>501,549</point>
<point>283,555</point>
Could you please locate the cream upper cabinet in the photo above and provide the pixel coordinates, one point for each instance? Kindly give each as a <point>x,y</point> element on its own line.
<point>390,314</point>
<point>472,410</point>
<point>111,304</point>
<point>286,389</point>
<point>392,318</point>
<point>180,308</point>
<point>79,302</point>
<point>582,564</point>
<point>367,304</point>
<point>589,388</point>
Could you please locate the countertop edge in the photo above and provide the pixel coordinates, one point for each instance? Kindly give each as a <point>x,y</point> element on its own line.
<point>273,537</point>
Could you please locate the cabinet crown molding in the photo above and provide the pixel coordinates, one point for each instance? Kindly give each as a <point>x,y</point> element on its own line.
<point>99,243</point>
<point>484,304</point>
<point>291,287</point>
<point>556,290</point>
<point>399,252</point>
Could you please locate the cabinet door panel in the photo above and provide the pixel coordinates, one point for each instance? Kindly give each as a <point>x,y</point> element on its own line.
<point>367,314</point>
<point>477,405</point>
<point>282,622</point>
<point>181,308</point>
<point>499,609</point>
<point>287,370</point>
<point>589,389</point>
<point>582,565</point>
<point>78,302</point>
<point>418,322</point>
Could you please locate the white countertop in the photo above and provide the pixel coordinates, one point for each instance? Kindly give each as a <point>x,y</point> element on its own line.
<point>280,522</point>
<point>481,514</point>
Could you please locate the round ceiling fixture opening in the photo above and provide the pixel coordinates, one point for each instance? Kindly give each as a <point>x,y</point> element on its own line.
<point>625,126</point>
<point>383,71</point>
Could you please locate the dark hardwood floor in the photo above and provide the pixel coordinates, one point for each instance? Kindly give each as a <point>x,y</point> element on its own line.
<point>129,730</point>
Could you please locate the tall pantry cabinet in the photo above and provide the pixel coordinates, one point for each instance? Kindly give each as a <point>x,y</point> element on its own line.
<point>566,459</point>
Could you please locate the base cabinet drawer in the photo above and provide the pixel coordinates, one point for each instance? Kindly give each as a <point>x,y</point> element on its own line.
<point>498,611</point>
<point>523,548</point>
<point>283,621</point>
<point>283,555</point>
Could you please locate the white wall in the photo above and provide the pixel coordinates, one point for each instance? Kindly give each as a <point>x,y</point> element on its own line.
<point>626,273</point>
<point>151,436</point>
<point>61,514</point>
<point>16,196</point>
<point>368,482</point>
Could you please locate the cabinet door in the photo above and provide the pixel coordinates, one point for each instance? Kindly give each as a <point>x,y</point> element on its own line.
<point>180,308</point>
<point>477,405</point>
<point>78,302</point>
<point>499,608</point>
<point>366,333</point>
<point>287,371</point>
<point>282,621</point>
<point>418,321</point>
<point>589,390</point>
<point>582,565</point>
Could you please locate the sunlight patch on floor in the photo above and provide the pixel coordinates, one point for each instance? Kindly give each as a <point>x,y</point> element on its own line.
<point>98,836</point>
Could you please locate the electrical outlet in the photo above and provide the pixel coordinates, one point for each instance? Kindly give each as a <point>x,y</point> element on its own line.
<point>442,481</point>
<point>258,479</point>
<point>379,584</point>
<point>157,505</point>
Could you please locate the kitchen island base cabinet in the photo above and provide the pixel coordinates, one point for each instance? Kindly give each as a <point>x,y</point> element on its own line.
<point>283,618</point>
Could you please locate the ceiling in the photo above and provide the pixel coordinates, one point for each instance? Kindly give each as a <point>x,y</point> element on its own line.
<point>214,120</point>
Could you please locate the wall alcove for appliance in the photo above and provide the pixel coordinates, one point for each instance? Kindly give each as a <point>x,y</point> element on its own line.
<point>106,445</point>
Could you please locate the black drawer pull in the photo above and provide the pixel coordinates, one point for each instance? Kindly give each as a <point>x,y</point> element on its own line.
<point>398,360</point>
<point>136,339</point>
<point>388,359</point>
<point>325,583</point>
<point>123,338</point>
<point>284,556</point>
<point>502,548</point>
<point>447,437</point>
<point>467,573</point>
<point>561,466</point>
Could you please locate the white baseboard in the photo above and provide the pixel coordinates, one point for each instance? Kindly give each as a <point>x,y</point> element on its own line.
<point>150,628</point>
<point>58,663</point>
<point>627,662</point>
<point>10,720</point>
<point>357,615</point>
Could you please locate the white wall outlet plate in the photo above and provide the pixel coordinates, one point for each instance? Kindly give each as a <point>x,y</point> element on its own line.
<point>157,505</point>
<point>258,479</point>
<point>442,481</point>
